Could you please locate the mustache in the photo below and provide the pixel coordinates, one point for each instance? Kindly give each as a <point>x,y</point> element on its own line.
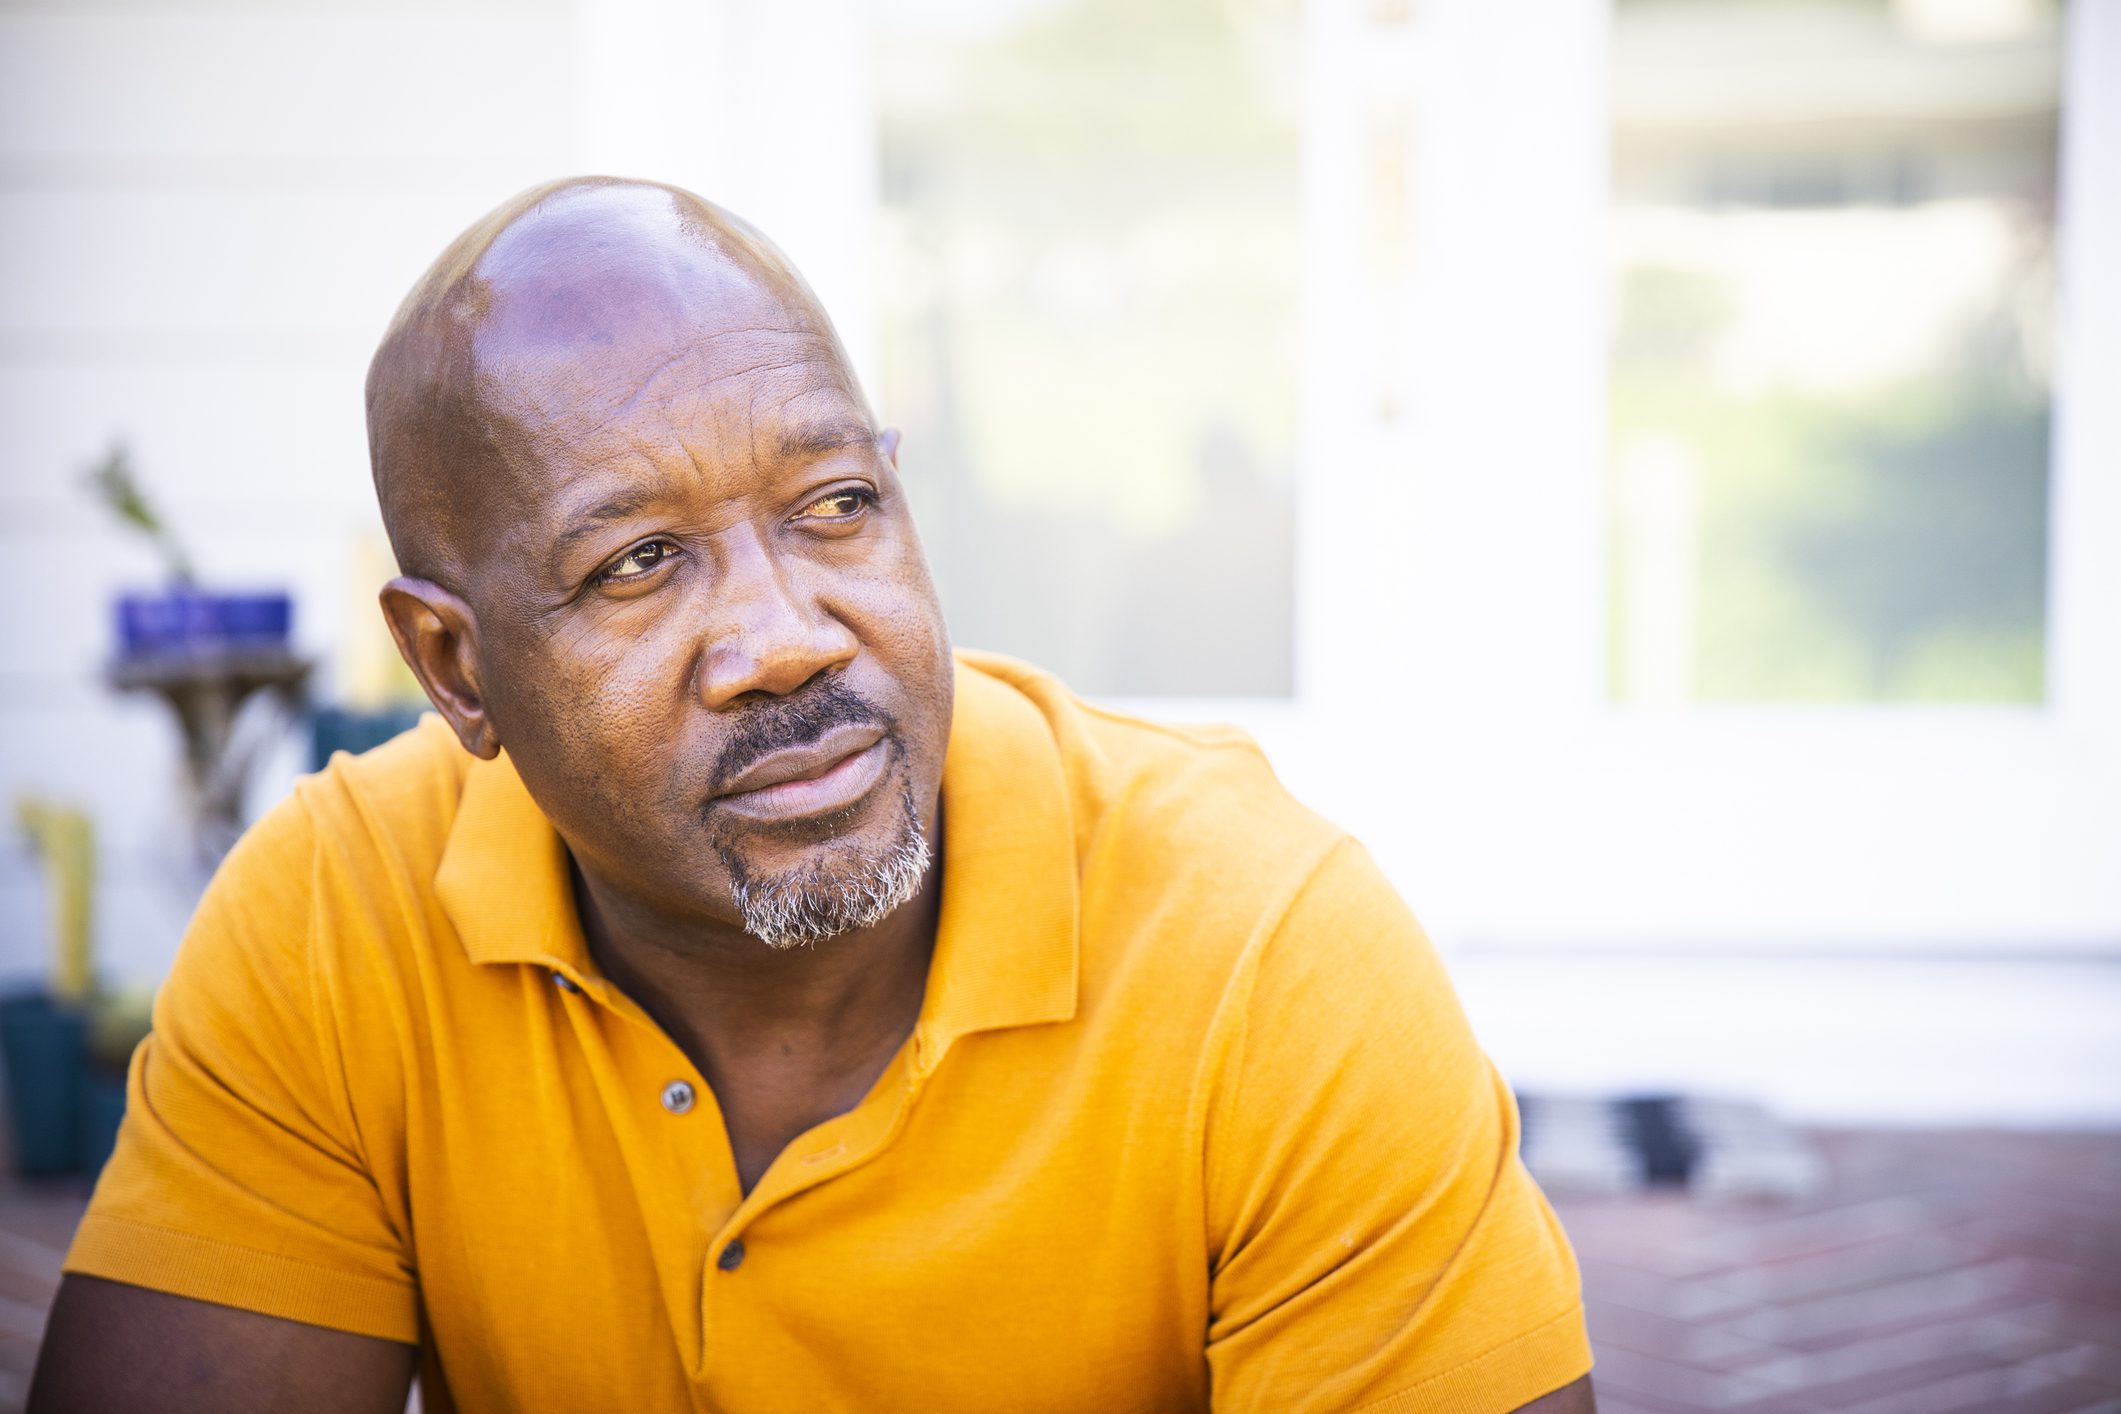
<point>800,719</point>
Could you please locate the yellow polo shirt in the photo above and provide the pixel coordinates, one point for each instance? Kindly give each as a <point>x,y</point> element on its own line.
<point>1190,1119</point>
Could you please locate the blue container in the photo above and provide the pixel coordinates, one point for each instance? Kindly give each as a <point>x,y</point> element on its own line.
<point>192,623</point>
<point>45,1047</point>
<point>342,729</point>
<point>102,1110</point>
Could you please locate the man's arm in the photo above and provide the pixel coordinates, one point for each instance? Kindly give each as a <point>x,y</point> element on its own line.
<point>115,1347</point>
<point>1374,1240</point>
<point>1569,1399</point>
<point>240,1251</point>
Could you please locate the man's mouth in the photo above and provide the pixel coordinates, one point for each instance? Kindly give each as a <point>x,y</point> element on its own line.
<point>830,774</point>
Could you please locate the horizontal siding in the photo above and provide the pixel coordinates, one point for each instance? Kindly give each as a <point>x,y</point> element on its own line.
<point>216,437</point>
<point>318,86</point>
<point>255,263</point>
<point>206,218</point>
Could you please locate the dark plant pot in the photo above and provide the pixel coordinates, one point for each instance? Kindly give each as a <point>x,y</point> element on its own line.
<point>194,623</point>
<point>343,729</point>
<point>102,1110</point>
<point>45,1047</point>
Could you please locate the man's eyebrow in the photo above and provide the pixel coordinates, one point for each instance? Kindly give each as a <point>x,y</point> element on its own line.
<point>810,440</point>
<point>616,507</point>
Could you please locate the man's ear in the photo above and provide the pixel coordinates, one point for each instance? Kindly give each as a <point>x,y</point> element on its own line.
<point>438,638</point>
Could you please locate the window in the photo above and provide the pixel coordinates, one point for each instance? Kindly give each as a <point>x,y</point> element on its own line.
<point>1833,237</point>
<point>1088,292</point>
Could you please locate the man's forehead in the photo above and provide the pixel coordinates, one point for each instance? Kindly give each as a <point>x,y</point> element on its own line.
<point>619,320</point>
<point>690,456</point>
<point>729,391</point>
<point>711,433</point>
<point>623,284</point>
<point>580,325</point>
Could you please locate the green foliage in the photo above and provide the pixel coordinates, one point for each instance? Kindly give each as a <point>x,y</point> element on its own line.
<point>1889,547</point>
<point>116,485</point>
<point>65,838</point>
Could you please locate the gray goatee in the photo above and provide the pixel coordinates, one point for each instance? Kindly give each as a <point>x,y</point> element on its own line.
<point>849,890</point>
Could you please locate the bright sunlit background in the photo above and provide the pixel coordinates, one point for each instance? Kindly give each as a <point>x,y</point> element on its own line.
<point>1652,469</point>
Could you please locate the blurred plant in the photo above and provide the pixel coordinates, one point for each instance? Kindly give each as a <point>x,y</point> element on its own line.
<point>112,480</point>
<point>66,839</point>
<point>117,1019</point>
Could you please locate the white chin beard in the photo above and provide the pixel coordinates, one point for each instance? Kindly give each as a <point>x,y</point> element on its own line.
<point>836,895</point>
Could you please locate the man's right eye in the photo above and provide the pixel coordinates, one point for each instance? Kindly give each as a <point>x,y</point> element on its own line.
<point>637,563</point>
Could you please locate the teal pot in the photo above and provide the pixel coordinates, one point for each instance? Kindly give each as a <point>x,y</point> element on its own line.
<point>44,1044</point>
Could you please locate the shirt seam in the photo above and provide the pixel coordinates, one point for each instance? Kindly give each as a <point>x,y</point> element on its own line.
<point>1503,1161</point>
<point>1393,1400</point>
<point>324,1015</point>
<point>1229,1059</point>
<point>312,988</point>
<point>400,1283</point>
<point>1243,742</point>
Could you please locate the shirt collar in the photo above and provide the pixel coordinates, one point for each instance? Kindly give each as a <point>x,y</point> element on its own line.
<point>504,879</point>
<point>1006,949</point>
<point>1006,942</point>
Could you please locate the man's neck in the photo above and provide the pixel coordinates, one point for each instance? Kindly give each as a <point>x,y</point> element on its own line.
<point>787,1037</point>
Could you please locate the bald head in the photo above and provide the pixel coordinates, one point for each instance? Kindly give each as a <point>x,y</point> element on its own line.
<point>543,323</point>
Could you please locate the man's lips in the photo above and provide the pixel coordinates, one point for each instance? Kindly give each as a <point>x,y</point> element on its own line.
<point>831,773</point>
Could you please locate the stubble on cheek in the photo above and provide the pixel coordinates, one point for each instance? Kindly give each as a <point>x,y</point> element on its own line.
<point>599,742</point>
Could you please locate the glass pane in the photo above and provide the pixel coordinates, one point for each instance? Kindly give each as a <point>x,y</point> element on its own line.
<point>1089,294</point>
<point>1832,230</point>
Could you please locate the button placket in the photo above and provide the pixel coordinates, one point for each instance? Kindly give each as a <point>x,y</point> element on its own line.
<point>858,1136</point>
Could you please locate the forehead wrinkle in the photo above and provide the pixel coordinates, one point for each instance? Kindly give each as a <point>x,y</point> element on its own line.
<point>639,469</point>
<point>676,416</point>
<point>695,419</point>
<point>681,424</point>
<point>779,407</point>
<point>691,351</point>
<point>562,420</point>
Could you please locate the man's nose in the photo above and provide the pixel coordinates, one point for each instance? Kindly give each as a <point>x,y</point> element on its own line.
<point>766,630</point>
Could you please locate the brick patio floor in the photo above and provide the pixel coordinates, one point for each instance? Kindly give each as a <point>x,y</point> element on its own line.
<point>1937,1272</point>
<point>35,1224</point>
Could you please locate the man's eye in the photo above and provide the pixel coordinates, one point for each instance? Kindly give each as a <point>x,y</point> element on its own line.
<point>637,561</point>
<point>838,505</point>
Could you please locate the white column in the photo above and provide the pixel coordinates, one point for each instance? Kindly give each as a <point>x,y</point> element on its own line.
<point>2084,500</point>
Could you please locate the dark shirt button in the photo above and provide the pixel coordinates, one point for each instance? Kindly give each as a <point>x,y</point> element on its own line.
<point>732,1256</point>
<point>565,983</point>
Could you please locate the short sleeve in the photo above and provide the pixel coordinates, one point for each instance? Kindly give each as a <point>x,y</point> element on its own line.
<point>237,1177</point>
<point>1376,1244</point>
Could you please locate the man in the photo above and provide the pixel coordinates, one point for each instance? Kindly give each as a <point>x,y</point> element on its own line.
<point>732,1002</point>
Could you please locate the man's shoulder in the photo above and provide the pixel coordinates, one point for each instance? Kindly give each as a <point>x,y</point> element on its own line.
<point>1124,767</point>
<point>397,800</point>
<point>1185,812</point>
<point>1081,726</point>
<point>324,877</point>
